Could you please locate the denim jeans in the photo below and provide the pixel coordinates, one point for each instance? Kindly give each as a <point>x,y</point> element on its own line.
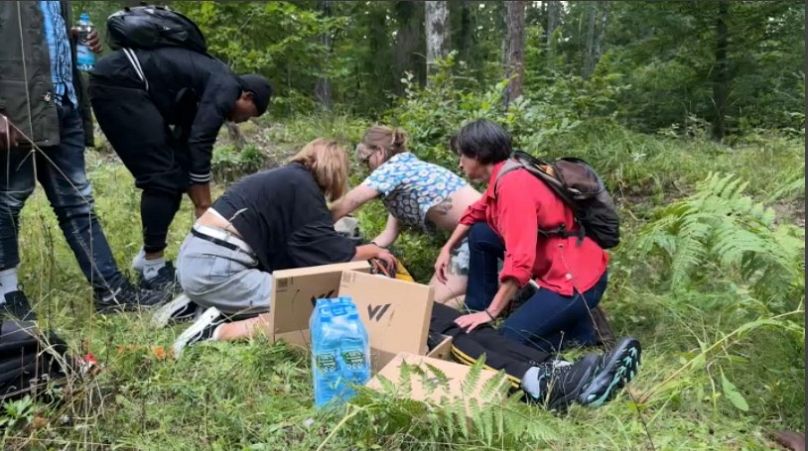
<point>61,172</point>
<point>547,320</point>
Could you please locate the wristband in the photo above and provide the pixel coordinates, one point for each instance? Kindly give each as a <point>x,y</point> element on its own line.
<point>489,314</point>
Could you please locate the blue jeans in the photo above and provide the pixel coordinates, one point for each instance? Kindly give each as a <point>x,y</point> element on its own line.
<point>61,172</point>
<point>547,320</point>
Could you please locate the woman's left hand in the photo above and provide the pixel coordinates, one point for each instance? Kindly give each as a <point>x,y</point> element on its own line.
<point>473,320</point>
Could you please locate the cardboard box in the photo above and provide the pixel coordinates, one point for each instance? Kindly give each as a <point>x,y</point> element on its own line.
<point>293,295</point>
<point>395,313</point>
<point>438,381</point>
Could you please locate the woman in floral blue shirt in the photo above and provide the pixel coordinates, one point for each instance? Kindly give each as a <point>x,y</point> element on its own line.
<point>416,194</point>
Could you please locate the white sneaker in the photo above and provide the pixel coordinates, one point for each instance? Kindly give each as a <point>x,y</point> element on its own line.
<point>201,330</point>
<point>139,260</point>
<point>179,308</point>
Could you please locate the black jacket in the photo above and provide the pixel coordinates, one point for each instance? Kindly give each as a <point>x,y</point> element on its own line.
<point>192,91</point>
<point>281,213</point>
<point>25,74</point>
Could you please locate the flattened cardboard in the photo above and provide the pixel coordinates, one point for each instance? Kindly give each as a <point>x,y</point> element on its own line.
<point>294,292</point>
<point>425,384</point>
<point>396,313</point>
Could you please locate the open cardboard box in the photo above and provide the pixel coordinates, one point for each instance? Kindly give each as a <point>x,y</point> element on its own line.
<point>395,313</point>
<point>438,381</point>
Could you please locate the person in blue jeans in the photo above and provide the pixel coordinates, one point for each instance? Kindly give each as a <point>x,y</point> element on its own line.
<point>506,224</point>
<point>44,127</point>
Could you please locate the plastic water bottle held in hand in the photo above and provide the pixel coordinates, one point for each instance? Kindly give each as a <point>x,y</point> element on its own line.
<point>85,57</point>
<point>340,350</point>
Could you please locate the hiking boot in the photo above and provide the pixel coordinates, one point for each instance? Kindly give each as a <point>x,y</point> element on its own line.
<point>201,330</point>
<point>562,382</point>
<point>17,306</point>
<point>615,369</point>
<point>127,297</point>
<point>165,280</point>
<point>179,309</point>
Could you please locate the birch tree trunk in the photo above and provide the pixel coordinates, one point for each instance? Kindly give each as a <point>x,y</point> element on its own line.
<point>437,34</point>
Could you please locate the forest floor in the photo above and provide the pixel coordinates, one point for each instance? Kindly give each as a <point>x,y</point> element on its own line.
<point>258,396</point>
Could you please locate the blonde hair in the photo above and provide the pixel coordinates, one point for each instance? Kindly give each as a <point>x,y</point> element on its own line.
<point>390,140</point>
<point>327,160</point>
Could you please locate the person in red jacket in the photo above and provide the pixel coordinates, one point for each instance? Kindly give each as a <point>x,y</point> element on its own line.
<point>504,224</point>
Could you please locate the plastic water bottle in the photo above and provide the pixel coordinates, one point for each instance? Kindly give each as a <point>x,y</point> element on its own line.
<point>85,57</point>
<point>340,350</point>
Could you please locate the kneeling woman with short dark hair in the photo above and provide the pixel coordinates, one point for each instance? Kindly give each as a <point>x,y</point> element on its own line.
<point>275,219</point>
<point>505,224</point>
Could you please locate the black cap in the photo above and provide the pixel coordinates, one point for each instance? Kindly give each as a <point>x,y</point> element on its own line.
<point>260,88</point>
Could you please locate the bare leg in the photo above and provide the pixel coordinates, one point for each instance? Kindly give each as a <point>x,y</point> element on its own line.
<point>244,329</point>
<point>451,292</point>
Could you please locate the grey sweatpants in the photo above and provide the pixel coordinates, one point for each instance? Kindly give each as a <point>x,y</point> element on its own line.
<point>212,275</point>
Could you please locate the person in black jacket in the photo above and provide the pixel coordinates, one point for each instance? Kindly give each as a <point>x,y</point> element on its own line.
<point>161,109</point>
<point>271,220</point>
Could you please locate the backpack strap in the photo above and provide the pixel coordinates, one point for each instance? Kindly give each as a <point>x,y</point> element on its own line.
<point>520,160</point>
<point>510,165</point>
<point>135,62</point>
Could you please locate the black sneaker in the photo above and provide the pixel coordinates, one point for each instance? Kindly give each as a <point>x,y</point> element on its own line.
<point>615,369</point>
<point>201,330</point>
<point>17,306</point>
<point>562,382</point>
<point>127,297</point>
<point>165,280</point>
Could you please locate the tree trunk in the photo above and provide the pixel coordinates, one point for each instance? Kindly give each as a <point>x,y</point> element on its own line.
<point>514,49</point>
<point>408,40</point>
<point>437,34</point>
<point>466,33</point>
<point>721,76</point>
<point>553,20</point>
<point>322,89</point>
<point>589,51</point>
<point>600,32</point>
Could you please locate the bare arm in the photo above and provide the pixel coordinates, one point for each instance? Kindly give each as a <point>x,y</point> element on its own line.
<point>351,201</point>
<point>389,234</point>
<point>200,196</point>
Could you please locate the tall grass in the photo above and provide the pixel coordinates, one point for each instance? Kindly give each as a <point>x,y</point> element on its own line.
<point>705,344</point>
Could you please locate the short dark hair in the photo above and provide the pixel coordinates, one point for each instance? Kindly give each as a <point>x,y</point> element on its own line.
<point>483,140</point>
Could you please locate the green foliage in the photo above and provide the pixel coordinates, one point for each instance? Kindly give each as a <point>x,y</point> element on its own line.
<point>229,164</point>
<point>722,229</point>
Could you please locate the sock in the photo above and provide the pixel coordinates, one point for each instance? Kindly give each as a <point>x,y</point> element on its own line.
<point>152,267</point>
<point>530,382</point>
<point>8,283</point>
<point>139,261</point>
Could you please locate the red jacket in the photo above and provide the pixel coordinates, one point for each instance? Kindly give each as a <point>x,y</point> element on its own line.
<point>521,206</point>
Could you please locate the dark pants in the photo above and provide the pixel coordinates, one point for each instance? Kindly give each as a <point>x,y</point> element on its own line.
<point>547,320</point>
<point>500,353</point>
<point>143,140</point>
<point>61,172</point>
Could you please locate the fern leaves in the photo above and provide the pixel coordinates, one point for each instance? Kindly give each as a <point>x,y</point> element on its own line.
<point>719,229</point>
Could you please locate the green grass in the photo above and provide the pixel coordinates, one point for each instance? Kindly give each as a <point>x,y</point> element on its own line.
<point>257,395</point>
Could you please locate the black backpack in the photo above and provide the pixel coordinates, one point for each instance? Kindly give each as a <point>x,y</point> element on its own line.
<point>581,188</point>
<point>149,27</point>
<point>29,360</point>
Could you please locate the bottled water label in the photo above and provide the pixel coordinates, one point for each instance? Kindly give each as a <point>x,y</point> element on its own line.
<point>354,359</point>
<point>85,58</point>
<point>326,362</point>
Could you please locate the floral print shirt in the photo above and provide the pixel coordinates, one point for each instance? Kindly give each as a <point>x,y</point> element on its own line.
<point>409,187</point>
